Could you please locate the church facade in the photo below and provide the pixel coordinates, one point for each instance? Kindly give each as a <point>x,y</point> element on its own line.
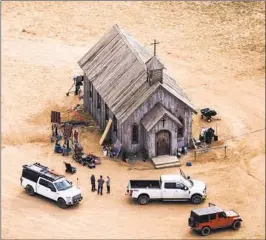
<point>125,83</point>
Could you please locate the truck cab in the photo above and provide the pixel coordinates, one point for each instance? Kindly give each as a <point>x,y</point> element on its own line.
<point>171,187</point>
<point>38,179</point>
<point>178,187</point>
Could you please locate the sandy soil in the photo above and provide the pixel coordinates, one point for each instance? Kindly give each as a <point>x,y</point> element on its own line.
<point>215,51</point>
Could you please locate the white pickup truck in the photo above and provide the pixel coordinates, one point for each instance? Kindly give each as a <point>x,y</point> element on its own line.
<point>38,179</point>
<point>168,188</point>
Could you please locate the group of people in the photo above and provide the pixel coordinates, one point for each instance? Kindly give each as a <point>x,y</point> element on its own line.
<point>100,182</point>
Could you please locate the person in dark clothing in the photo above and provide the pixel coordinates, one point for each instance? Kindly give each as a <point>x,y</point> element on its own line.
<point>76,136</point>
<point>56,131</point>
<point>124,156</point>
<point>93,189</point>
<point>64,150</point>
<point>108,184</point>
<point>100,185</point>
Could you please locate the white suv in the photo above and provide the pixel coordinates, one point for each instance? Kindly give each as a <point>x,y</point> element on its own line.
<point>37,178</point>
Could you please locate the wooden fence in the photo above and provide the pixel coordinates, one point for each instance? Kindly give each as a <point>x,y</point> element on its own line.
<point>206,150</point>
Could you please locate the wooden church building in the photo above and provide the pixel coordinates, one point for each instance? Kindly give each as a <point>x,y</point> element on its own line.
<point>125,83</point>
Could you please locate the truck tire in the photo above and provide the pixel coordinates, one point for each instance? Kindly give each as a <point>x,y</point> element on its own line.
<point>61,203</point>
<point>236,225</point>
<point>30,190</point>
<point>196,199</point>
<point>205,231</point>
<point>143,199</point>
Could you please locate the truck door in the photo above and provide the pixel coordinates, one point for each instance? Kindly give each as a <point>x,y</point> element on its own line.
<point>46,189</point>
<point>169,190</point>
<point>221,220</point>
<point>213,221</point>
<point>182,191</point>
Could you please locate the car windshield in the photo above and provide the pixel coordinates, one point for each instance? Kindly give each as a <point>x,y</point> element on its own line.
<point>63,185</point>
<point>190,183</point>
<point>187,182</point>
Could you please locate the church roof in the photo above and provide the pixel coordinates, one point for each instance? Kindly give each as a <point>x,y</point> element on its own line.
<point>154,64</point>
<point>155,115</point>
<point>116,67</point>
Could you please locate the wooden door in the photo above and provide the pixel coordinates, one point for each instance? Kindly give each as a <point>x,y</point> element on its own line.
<point>163,143</point>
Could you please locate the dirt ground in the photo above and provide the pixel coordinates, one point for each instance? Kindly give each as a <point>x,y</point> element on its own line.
<point>216,52</point>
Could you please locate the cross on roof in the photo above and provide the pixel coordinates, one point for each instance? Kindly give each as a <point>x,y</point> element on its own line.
<point>154,43</point>
<point>163,120</point>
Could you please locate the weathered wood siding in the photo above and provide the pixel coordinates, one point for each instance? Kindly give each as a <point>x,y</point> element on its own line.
<point>86,94</point>
<point>144,135</point>
<point>175,106</point>
<point>156,76</point>
<point>168,125</point>
<point>117,67</point>
<point>145,140</point>
<point>90,106</point>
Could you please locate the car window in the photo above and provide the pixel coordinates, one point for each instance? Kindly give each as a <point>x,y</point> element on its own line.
<point>179,186</point>
<point>30,175</point>
<point>204,218</point>
<point>194,215</point>
<point>50,185</point>
<point>43,182</point>
<point>221,215</point>
<point>212,216</point>
<point>170,185</point>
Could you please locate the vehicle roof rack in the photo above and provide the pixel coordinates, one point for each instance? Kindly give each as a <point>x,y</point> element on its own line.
<point>44,171</point>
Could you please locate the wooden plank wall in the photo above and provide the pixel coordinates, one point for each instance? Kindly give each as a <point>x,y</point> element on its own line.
<point>90,106</point>
<point>175,106</point>
<point>168,125</point>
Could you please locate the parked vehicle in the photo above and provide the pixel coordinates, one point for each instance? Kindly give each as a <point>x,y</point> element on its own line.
<point>168,188</point>
<point>38,179</point>
<point>204,220</point>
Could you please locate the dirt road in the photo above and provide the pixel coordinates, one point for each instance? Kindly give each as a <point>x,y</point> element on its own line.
<point>214,50</point>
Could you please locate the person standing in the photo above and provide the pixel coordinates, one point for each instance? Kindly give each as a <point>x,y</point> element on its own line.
<point>93,189</point>
<point>108,184</point>
<point>63,150</point>
<point>100,185</point>
<point>56,130</point>
<point>76,136</point>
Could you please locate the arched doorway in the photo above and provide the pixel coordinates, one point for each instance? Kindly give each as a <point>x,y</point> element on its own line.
<point>163,143</point>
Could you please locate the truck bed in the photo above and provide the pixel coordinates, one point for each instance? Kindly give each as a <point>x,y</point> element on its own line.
<point>145,184</point>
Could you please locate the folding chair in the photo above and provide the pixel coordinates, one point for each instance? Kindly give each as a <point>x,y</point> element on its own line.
<point>69,168</point>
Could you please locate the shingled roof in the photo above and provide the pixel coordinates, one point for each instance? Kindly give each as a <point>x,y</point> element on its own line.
<point>154,63</point>
<point>116,67</point>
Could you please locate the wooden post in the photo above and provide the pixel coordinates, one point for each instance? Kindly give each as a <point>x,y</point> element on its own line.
<point>194,143</point>
<point>195,155</point>
<point>225,152</point>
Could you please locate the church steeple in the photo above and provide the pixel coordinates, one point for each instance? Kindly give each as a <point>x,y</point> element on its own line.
<point>155,70</point>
